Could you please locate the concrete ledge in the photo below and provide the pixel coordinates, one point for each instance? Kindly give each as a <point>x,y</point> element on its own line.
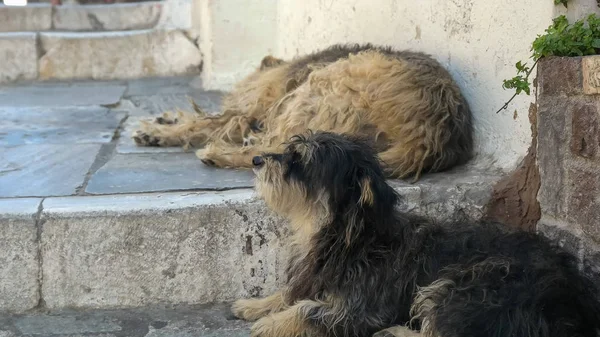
<point>171,248</point>
<point>30,18</point>
<point>117,55</point>
<point>18,52</point>
<point>130,251</point>
<point>19,260</point>
<point>113,17</point>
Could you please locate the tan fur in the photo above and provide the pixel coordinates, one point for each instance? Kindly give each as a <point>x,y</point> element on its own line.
<point>404,107</point>
<point>366,197</point>
<point>253,309</point>
<point>288,323</point>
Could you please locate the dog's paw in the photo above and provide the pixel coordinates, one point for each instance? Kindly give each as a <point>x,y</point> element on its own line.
<point>250,141</point>
<point>247,310</point>
<point>166,119</point>
<point>142,138</point>
<point>397,331</point>
<point>205,157</point>
<point>264,327</point>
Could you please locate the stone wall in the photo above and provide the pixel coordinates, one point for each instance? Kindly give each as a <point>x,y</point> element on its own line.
<point>568,152</point>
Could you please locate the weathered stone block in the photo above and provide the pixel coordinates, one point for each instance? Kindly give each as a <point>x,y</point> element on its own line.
<point>583,204</point>
<point>138,250</point>
<point>117,55</point>
<point>116,17</point>
<point>560,76</point>
<point>558,233</point>
<point>591,75</point>
<point>552,137</point>
<point>30,18</point>
<point>585,131</point>
<point>18,52</point>
<point>591,263</point>
<point>19,287</point>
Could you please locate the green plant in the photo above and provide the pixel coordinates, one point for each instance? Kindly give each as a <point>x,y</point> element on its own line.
<point>560,39</point>
<point>558,2</point>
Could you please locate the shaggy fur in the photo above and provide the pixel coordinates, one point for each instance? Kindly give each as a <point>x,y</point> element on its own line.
<point>406,102</point>
<point>359,266</point>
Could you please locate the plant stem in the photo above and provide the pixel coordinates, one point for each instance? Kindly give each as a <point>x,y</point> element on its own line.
<point>505,106</point>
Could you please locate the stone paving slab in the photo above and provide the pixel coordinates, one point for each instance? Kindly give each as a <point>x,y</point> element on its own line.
<point>178,321</point>
<point>44,169</point>
<point>19,264</point>
<point>155,105</point>
<point>68,125</point>
<point>164,86</point>
<point>163,172</point>
<point>62,94</point>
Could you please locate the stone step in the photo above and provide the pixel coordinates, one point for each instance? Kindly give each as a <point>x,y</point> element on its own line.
<point>115,251</point>
<point>113,17</point>
<point>97,55</point>
<point>206,320</point>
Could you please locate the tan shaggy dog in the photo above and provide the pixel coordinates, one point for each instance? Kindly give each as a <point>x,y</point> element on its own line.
<point>403,101</point>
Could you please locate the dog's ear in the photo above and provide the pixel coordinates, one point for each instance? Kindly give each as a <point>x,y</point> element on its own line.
<point>270,62</point>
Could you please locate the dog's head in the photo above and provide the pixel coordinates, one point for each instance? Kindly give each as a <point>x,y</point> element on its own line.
<point>324,175</point>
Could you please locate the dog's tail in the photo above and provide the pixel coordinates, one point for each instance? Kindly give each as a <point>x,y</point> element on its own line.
<point>499,297</point>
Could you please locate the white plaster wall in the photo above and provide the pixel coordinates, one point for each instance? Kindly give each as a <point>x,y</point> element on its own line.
<point>479,41</point>
<point>234,37</point>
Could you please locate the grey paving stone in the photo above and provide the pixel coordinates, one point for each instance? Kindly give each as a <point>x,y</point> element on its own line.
<point>126,145</point>
<point>54,325</point>
<point>66,125</point>
<point>19,268</point>
<point>198,321</point>
<point>164,86</point>
<point>163,172</point>
<point>210,101</point>
<point>62,94</point>
<point>44,169</point>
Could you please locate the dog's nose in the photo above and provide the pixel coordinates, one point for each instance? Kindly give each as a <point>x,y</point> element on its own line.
<point>258,161</point>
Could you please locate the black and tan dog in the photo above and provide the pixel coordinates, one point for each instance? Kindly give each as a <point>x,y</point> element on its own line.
<point>358,266</point>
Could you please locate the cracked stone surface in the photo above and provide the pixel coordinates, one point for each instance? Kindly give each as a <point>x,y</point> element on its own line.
<point>163,172</point>
<point>117,55</point>
<point>69,138</point>
<point>62,94</point>
<point>179,321</point>
<point>128,16</point>
<point>44,169</point>
<point>58,126</point>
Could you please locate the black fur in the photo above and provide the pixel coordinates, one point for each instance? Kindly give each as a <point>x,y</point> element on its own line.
<point>372,260</point>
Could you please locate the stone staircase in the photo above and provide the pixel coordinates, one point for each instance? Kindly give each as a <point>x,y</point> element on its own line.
<point>99,42</point>
<point>99,237</point>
